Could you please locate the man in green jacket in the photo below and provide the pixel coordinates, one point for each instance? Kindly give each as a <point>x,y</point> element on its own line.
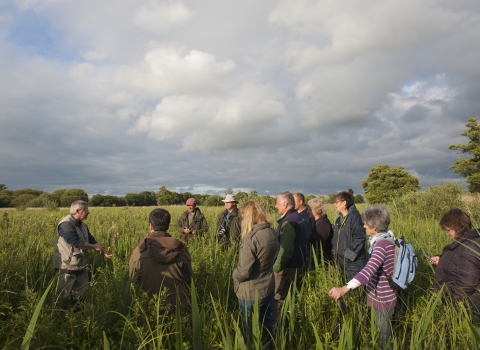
<point>192,223</point>
<point>229,222</point>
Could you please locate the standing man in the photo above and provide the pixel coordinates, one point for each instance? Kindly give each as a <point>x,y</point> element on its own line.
<point>192,222</point>
<point>229,221</point>
<point>307,221</point>
<point>290,257</point>
<point>70,256</point>
<point>161,261</point>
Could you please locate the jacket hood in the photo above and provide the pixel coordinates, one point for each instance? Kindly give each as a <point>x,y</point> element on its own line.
<point>161,247</point>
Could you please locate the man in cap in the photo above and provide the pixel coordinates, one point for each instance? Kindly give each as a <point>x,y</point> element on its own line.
<point>161,261</point>
<point>192,222</point>
<point>70,256</point>
<point>229,221</point>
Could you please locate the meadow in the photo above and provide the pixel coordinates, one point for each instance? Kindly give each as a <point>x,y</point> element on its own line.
<point>115,315</point>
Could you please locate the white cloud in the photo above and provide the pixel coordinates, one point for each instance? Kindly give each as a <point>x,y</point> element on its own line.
<point>167,70</point>
<point>158,18</point>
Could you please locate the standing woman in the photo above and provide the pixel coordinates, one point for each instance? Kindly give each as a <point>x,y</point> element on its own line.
<point>253,276</point>
<point>322,234</point>
<point>348,236</point>
<point>380,295</point>
<point>458,267</point>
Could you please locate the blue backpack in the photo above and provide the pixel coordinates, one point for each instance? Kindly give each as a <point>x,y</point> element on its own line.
<point>404,265</point>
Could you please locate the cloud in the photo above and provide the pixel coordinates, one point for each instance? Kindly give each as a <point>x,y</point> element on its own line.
<point>158,18</point>
<point>169,70</point>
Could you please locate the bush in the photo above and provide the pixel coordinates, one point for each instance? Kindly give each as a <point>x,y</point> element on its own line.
<point>41,201</point>
<point>433,202</point>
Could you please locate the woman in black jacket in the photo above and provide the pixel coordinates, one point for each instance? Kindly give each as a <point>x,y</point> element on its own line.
<point>348,236</point>
<point>458,267</point>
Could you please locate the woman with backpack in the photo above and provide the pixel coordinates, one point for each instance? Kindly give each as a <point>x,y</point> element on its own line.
<point>373,276</point>
<point>458,267</point>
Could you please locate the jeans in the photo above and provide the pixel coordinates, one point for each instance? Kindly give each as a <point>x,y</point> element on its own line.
<point>383,323</point>
<point>265,308</point>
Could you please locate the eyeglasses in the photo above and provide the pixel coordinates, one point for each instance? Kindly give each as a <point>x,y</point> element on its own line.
<point>339,201</point>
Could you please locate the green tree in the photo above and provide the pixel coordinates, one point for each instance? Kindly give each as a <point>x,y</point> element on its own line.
<point>469,167</point>
<point>359,199</point>
<point>384,184</point>
<point>71,195</point>
<point>331,198</point>
<point>3,187</point>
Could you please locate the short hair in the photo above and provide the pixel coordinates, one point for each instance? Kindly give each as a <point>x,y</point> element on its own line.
<point>457,220</point>
<point>376,216</point>
<point>78,205</point>
<point>159,219</point>
<point>300,196</point>
<point>318,206</point>
<point>287,198</point>
<point>346,196</point>
<point>251,213</point>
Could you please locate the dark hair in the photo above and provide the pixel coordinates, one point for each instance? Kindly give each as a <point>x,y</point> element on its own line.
<point>346,196</point>
<point>376,216</point>
<point>160,219</point>
<point>457,220</point>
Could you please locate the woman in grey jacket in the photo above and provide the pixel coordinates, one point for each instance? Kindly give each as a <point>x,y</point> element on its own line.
<point>253,276</point>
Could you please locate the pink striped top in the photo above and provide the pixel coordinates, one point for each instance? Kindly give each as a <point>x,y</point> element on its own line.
<point>379,293</point>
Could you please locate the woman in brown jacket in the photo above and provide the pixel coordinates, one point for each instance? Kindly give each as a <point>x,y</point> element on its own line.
<point>458,267</point>
<point>253,276</point>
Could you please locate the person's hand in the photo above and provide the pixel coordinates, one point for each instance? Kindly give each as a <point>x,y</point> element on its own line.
<point>103,251</point>
<point>435,260</point>
<point>275,274</point>
<point>337,293</point>
<point>186,231</point>
<point>194,232</point>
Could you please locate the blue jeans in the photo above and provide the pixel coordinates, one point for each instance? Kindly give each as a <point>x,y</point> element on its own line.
<point>383,323</point>
<point>265,308</point>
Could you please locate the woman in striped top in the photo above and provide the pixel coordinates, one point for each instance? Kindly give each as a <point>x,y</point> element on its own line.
<point>373,276</point>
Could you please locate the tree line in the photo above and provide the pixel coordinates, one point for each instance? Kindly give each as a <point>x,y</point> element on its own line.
<point>382,185</point>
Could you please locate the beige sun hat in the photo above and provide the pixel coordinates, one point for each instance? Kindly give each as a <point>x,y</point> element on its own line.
<point>229,198</point>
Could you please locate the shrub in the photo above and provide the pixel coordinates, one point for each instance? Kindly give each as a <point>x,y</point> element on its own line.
<point>431,203</point>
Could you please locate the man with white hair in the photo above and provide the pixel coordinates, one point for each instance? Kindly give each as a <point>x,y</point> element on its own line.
<point>70,257</point>
<point>229,221</point>
<point>291,255</point>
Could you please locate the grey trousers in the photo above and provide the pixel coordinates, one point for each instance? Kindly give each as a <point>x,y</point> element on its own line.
<point>72,284</point>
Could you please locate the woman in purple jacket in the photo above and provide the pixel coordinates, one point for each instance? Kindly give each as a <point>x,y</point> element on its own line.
<point>373,276</point>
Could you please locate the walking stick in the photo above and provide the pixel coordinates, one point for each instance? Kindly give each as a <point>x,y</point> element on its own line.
<point>342,311</point>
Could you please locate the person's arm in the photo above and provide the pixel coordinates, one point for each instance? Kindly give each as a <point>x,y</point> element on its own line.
<point>246,259</point>
<point>357,240</point>
<point>236,227</point>
<point>287,239</point>
<point>467,275</point>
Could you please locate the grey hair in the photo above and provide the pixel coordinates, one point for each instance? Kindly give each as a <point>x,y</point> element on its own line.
<point>78,205</point>
<point>376,216</point>
<point>318,206</point>
<point>287,198</point>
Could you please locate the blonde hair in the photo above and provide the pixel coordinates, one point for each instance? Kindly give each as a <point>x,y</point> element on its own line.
<point>318,206</point>
<point>252,214</point>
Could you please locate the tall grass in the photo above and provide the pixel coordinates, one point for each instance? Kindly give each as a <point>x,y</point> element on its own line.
<point>115,315</point>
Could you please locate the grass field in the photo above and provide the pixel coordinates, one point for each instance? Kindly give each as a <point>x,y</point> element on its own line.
<point>116,316</point>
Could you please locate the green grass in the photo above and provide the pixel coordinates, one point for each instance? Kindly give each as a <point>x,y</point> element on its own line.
<point>117,316</point>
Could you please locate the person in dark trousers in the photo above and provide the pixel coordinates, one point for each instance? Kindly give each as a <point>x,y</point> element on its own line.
<point>70,256</point>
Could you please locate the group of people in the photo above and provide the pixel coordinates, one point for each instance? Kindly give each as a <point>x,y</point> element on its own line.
<point>270,261</point>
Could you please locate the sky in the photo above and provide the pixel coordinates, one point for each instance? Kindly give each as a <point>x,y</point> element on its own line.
<point>118,96</point>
